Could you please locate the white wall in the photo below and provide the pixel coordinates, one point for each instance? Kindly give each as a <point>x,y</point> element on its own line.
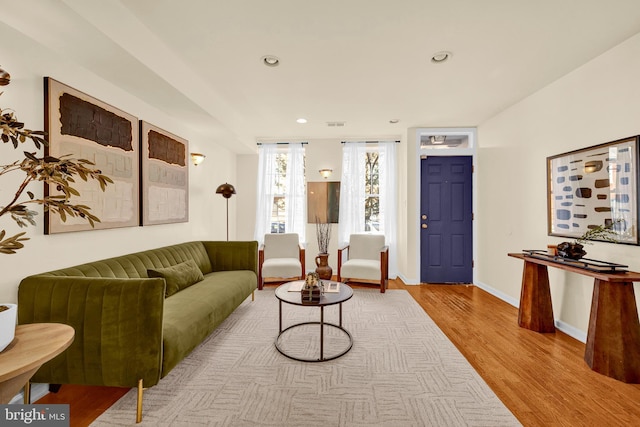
<point>596,103</point>
<point>28,62</point>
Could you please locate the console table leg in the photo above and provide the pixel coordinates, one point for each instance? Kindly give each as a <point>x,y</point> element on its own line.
<point>535,312</point>
<point>613,339</point>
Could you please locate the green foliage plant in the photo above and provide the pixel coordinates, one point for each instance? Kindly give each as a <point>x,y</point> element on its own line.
<point>61,172</point>
<point>606,232</point>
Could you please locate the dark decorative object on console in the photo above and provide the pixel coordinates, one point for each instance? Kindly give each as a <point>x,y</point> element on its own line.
<point>575,249</point>
<point>571,250</point>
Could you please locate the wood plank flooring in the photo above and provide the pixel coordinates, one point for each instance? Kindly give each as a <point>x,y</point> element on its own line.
<point>541,378</point>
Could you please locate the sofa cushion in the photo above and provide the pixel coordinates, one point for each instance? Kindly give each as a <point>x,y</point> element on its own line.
<point>191,315</point>
<point>179,276</point>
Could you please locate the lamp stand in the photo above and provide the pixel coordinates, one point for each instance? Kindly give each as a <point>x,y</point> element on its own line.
<point>227,220</point>
<point>227,191</point>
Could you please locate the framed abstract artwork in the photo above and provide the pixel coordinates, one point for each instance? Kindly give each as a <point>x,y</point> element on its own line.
<point>323,201</point>
<point>592,187</point>
<point>165,176</point>
<point>87,128</point>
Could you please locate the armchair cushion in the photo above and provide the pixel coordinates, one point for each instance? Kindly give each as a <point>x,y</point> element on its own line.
<point>281,267</point>
<point>362,269</point>
<point>179,276</point>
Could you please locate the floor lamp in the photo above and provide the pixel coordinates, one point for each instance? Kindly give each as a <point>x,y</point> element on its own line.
<point>227,191</point>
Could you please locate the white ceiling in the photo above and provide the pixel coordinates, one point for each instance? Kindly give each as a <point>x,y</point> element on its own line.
<point>363,62</point>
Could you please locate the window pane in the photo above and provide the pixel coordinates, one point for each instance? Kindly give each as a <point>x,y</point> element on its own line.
<point>279,199</point>
<point>372,188</point>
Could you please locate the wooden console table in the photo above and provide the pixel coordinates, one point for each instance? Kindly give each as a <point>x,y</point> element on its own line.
<point>613,338</point>
<point>33,345</point>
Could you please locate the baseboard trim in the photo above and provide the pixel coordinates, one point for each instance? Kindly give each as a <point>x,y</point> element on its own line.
<point>571,331</point>
<point>499,294</point>
<point>38,391</point>
<point>559,324</point>
<point>406,281</point>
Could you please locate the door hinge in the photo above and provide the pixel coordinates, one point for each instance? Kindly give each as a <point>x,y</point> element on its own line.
<point>473,216</point>
<point>473,168</point>
<point>473,264</point>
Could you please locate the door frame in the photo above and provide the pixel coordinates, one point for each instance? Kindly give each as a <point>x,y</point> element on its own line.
<point>471,151</point>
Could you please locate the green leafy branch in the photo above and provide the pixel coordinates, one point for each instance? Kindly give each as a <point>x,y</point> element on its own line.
<point>14,131</point>
<point>58,173</point>
<point>606,232</point>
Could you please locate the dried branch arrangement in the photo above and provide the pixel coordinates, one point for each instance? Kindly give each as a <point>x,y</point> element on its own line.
<point>323,234</point>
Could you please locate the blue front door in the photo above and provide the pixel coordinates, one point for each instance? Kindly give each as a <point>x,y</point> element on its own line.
<point>446,218</point>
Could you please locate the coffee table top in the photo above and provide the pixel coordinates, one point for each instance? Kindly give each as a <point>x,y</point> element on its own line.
<point>329,298</point>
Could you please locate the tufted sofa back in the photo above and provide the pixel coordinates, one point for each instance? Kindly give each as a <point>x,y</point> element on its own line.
<point>135,265</point>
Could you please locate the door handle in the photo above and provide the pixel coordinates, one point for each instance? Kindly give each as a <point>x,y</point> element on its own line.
<point>424,225</point>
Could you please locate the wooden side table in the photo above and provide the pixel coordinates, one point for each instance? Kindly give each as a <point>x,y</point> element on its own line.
<point>33,345</point>
<point>613,338</point>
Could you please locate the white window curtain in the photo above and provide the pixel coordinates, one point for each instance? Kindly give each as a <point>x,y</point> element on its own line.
<point>352,195</point>
<point>295,196</point>
<point>295,191</point>
<point>352,191</point>
<point>387,161</point>
<point>266,185</point>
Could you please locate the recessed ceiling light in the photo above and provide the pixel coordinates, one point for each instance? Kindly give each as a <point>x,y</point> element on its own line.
<point>301,120</point>
<point>270,60</point>
<point>440,57</point>
<point>394,121</point>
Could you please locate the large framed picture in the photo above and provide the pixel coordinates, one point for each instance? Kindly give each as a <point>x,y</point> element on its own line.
<point>87,128</point>
<point>592,187</point>
<point>165,176</point>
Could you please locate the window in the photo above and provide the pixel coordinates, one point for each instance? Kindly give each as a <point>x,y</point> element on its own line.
<point>278,212</point>
<point>368,193</point>
<point>281,206</point>
<point>372,192</point>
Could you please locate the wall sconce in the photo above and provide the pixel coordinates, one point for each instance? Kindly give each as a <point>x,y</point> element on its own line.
<point>197,158</point>
<point>5,78</point>
<point>326,173</point>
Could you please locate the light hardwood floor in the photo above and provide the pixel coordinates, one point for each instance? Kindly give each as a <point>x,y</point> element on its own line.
<point>541,378</point>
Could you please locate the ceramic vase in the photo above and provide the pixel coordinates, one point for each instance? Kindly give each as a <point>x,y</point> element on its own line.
<point>322,267</point>
<point>7,325</point>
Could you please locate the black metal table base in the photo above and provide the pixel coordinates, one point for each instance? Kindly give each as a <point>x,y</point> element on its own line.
<point>322,358</point>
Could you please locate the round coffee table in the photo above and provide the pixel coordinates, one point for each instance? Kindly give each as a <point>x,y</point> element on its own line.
<point>329,298</point>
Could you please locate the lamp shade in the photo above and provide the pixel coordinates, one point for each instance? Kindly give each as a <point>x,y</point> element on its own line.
<point>226,190</point>
<point>197,158</point>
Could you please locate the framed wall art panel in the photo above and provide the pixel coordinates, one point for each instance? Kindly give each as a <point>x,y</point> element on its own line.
<point>594,186</point>
<point>165,176</point>
<point>87,128</point>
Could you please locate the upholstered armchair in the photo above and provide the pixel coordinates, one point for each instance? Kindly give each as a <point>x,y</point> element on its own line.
<point>281,256</point>
<point>367,260</point>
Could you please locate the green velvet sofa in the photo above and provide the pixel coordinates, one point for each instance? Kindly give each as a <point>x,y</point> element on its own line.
<point>137,316</point>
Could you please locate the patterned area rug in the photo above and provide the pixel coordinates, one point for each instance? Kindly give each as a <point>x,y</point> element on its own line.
<point>401,371</point>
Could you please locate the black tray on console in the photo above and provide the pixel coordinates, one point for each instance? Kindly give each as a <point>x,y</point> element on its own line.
<point>583,263</point>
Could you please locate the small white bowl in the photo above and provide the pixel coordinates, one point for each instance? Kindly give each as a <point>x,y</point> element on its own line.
<point>7,325</point>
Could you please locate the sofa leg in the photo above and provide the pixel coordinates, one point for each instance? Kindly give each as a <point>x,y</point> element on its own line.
<point>139,402</point>
<point>27,393</point>
<point>253,295</point>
